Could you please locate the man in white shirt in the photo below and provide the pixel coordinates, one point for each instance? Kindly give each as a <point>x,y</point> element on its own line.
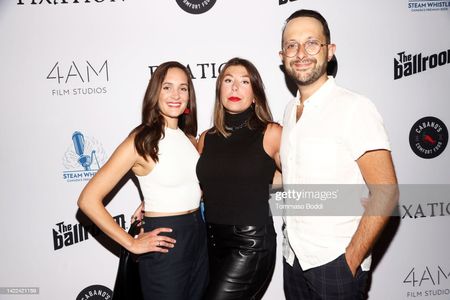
<point>330,136</point>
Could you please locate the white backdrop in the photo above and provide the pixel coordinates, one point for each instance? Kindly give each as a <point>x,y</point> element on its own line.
<point>83,66</point>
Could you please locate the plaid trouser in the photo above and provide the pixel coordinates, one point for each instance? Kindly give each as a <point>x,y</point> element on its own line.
<point>331,281</point>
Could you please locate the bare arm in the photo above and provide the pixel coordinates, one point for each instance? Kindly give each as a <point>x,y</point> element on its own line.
<point>272,142</point>
<point>91,202</point>
<point>378,172</point>
<point>201,142</point>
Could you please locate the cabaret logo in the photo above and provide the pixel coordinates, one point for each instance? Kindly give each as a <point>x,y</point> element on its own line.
<point>429,5</point>
<point>79,78</point>
<point>428,137</point>
<point>54,2</point>
<point>282,2</point>
<point>95,292</point>
<point>65,235</point>
<point>199,71</point>
<point>408,64</point>
<point>196,7</point>
<point>83,158</point>
<point>427,281</point>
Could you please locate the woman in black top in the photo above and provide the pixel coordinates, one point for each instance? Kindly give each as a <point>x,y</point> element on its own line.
<point>238,160</point>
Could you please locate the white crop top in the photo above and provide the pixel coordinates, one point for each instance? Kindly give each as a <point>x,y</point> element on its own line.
<point>172,185</point>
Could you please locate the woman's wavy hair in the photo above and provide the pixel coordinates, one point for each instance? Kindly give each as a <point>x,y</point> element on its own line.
<point>261,112</point>
<point>151,130</point>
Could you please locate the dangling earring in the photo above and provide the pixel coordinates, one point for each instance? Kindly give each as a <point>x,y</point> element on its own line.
<point>186,111</point>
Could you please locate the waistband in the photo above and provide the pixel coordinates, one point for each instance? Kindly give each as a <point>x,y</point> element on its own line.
<point>173,221</point>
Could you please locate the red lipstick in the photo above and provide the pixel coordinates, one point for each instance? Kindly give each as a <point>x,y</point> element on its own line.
<point>234,99</point>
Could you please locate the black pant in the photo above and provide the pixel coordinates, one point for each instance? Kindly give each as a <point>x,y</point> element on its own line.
<point>242,260</point>
<point>182,273</point>
<point>332,281</point>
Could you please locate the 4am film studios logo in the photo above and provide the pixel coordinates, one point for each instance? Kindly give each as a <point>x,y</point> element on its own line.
<point>428,137</point>
<point>79,78</point>
<point>196,6</point>
<point>428,5</point>
<point>83,158</point>
<point>428,281</point>
<point>406,64</point>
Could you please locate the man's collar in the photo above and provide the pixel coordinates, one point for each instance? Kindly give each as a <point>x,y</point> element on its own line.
<point>318,97</point>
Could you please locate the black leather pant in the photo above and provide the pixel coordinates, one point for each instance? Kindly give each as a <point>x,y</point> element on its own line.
<point>242,260</point>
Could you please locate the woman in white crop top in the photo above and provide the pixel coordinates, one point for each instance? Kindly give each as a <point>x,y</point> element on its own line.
<point>172,245</point>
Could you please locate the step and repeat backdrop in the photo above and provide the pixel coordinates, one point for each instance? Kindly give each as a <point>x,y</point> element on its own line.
<point>73,75</point>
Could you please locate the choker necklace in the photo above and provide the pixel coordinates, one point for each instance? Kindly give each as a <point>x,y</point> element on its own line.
<point>238,121</point>
<point>236,127</point>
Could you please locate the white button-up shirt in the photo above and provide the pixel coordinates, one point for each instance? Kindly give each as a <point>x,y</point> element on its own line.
<point>337,126</point>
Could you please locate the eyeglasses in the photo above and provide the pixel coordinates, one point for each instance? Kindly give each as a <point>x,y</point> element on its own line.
<point>312,47</point>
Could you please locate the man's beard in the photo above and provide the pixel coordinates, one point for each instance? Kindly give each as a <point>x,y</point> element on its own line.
<point>307,79</point>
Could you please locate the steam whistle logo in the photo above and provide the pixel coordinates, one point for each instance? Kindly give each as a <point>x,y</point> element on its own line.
<point>82,159</point>
<point>429,5</point>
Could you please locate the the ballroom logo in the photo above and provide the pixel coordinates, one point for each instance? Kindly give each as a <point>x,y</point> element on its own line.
<point>428,5</point>
<point>282,2</point>
<point>427,281</point>
<point>409,64</point>
<point>196,6</point>
<point>64,2</point>
<point>83,158</point>
<point>428,137</point>
<point>198,70</point>
<point>79,78</point>
<point>65,235</point>
<point>95,292</point>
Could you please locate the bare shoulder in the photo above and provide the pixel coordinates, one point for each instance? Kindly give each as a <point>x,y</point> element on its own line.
<point>201,141</point>
<point>274,130</point>
<point>128,145</point>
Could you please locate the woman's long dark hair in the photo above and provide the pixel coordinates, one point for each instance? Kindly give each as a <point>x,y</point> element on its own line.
<point>151,129</point>
<point>261,116</point>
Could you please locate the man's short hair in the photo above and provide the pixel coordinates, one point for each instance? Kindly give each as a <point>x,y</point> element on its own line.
<point>312,14</point>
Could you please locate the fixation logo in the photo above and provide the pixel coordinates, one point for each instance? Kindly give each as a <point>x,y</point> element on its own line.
<point>428,5</point>
<point>196,6</point>
<point>431,209</point>
<point>70,234</point>
<point>428,137</point>
<point>198,71</point>
<point>54,2</point>
<point>78,165</point>
<point>426,280</point>
<point>282,2</point>
<point>91,76</point>
<point>95,292</point>
<point>408,64</point>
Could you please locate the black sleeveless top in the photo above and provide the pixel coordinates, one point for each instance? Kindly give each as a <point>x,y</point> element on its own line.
<point>235,174</point>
